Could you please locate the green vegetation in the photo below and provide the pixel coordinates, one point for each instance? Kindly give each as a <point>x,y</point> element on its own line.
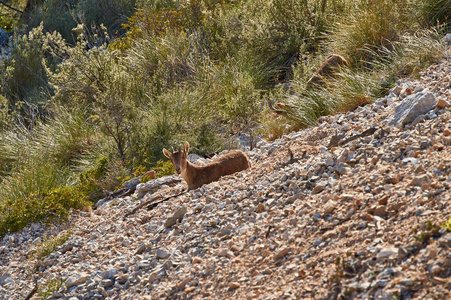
<point>51,285</point>
<point>428,230</point>
<point>93,90</point>
<point>48,245</point>
<point>447,225</point>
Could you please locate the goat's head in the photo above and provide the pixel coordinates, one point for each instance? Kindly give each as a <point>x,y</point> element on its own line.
<point>178,158</point>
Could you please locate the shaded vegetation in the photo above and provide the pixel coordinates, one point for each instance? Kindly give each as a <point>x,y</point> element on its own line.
<point>93,90</point>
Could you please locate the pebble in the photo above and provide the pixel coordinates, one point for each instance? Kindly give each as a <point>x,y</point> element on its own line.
<point>282,252</point>
<point>177,217</point>
<point>420,180</point>
<point>234,285</point>
<point>387,253</point>
<point>76,279</point>
<point>442,103</point>
<point>162,254</point>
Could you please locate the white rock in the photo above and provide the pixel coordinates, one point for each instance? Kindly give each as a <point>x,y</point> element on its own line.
<point>76,279</point>
<point>413,106</point>
<point>387,253</point>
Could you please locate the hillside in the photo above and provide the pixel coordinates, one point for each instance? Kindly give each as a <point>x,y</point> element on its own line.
<point>345,218</point>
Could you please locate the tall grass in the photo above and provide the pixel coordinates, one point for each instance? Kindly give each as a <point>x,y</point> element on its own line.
<point>362,83</point>
<point>436,12</point>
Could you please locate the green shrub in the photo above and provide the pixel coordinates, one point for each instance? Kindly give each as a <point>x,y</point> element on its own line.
<point>24,80</point>
<point>90,182</point>
<point>47,246</point>
<point>50,286</point>
<point>50,206</point>
<point>164,168</point>
<point>159,18</point>
<point>447,225</point>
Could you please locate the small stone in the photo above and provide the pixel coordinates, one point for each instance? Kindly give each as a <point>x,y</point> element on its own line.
<point>436,269</point>
<point>387,253</point>
<point>407,91</point>
<point>292,199</point>
<point>374,160</point>
<point>397,90</point>
<point>318,242</point>
<point>225,253</point>
<point>3,278</point>
<point>441,103</point>
<point>342,168</point>
<point>260,208</point>
<point>329,206</point>
<point>178,216</point>
<point>189,289</point>
<point>406,281</point>
<point>343,156</point>
<point>413,106</point>
<point>167,264</point>
<point>162,254</point>
<point>109,274</point>
<point>330,161</point>
<point>76,280</point>
<point>8,281</point>
<point>380,211</point>
<point>318,189</point>
<point>234,285</point>
<point>281,253</point>
<point>447,132</point>
<point>183,283</point>
<point>106,283</point>
<point>143,247</point>
<point>151,277</point>
<point>123,278</point>
<point>57,295</point>
<point>420,180</point>
<point>197,260</point>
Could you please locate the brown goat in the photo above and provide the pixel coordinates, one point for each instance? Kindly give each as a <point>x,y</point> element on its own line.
<point>327,68</point>
<point>196,176</point>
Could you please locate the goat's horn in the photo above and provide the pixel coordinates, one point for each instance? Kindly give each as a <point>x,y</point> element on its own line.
<point>180,148</point>
<point>172,147</point>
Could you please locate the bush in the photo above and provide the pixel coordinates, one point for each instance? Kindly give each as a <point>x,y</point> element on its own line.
<point>42,193</point>
<point>30,195</point>
<point>24,80</point>
<point>50,206</point>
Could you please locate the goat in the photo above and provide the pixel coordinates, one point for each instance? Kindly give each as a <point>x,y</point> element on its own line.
<point>327,69</point>
<point>196,176</point>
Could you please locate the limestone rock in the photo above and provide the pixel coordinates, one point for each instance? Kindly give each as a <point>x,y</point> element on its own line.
<point>76,279</point>
<point>412,106</point>
<point>177,217</point>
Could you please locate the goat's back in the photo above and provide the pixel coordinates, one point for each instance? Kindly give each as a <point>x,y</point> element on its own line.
<point>232,162</point>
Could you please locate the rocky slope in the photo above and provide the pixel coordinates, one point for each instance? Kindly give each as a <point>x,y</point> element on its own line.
<point>355,213</point>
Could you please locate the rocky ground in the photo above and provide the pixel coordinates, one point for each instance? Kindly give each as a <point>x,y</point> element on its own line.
<point>355,213</point>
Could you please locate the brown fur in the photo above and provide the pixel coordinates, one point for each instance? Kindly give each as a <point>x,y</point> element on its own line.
<point>196,176</point>
<point>327,68</point>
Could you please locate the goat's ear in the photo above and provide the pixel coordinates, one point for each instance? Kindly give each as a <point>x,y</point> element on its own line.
<point>186,149</point>
<point>166,153</point>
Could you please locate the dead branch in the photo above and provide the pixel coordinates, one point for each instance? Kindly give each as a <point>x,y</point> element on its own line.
<point>336,140</point>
